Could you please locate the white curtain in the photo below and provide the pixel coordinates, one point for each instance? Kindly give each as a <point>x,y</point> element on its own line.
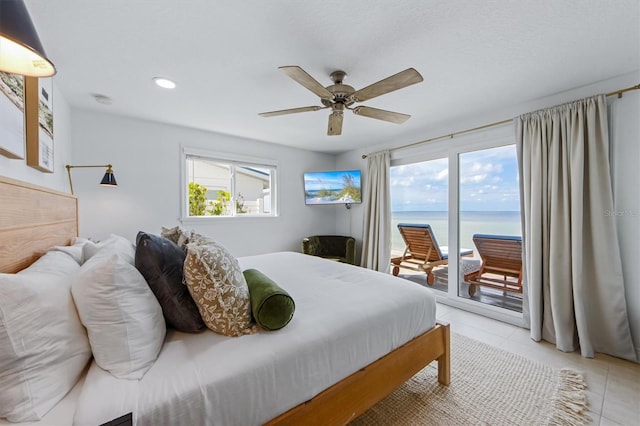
<point>376,238</point>
<point>571,255</point>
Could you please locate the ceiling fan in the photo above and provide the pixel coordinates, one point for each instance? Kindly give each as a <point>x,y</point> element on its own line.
<point>339,96</point>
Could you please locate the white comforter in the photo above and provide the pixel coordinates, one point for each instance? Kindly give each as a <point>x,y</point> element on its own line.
<point>346,317</point>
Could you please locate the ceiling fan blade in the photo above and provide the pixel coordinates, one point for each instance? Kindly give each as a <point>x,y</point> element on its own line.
<point>335,124</point>
<point>398,81</point>
<point>301,76</point>
<point>380,114</point>
<point>291,111</point>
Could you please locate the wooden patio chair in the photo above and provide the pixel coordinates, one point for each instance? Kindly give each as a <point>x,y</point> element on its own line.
<point>501,263</point>
<point>422,252</point>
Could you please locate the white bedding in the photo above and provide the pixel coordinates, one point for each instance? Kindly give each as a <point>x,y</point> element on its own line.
<point>61,414</point>
<point>346,317</point>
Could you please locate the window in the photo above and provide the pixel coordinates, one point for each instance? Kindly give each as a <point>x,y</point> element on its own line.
<point>228,186</point>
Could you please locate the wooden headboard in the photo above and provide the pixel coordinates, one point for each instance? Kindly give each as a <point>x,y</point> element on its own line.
<point>32,219</point>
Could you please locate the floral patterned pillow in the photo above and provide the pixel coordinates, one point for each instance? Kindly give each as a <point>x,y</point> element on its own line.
<point>218,287</point>
<point>178,235</point>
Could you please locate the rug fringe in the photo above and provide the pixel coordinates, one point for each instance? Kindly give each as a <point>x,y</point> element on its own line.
<point>570,402</point>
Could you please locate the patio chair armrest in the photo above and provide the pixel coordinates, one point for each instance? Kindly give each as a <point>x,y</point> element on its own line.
<point>471,276</point>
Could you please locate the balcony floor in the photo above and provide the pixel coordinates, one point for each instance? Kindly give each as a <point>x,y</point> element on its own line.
<point>486,295</point>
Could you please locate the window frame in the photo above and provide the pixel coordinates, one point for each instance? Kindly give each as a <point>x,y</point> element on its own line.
<point>233,160</point>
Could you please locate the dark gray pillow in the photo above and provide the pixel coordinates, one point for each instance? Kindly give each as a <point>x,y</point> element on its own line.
<point>160,261</point>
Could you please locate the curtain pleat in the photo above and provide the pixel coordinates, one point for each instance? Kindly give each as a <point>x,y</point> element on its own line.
<point>571,255</point>
<point>376,238</point>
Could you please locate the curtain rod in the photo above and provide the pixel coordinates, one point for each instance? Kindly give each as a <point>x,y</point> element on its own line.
<point>617,93</point>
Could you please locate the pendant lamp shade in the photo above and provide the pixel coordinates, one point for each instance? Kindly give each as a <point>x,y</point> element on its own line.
<point>20,49</point>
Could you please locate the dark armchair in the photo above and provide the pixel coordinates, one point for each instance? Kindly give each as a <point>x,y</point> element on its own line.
<point>334,247</point>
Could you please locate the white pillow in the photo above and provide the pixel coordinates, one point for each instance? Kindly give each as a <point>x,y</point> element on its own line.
<point>113,244</point>
<point>76,250</point>
<point>122,316</point>
<point>43,346</point>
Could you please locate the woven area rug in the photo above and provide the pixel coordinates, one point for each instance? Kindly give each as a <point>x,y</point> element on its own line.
<point>489,386</point>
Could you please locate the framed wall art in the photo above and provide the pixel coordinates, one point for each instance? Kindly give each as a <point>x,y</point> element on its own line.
<point>39,123</point>
<point>12,116</point>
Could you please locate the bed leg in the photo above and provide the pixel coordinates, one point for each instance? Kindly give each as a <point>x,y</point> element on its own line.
<point>444,360</point>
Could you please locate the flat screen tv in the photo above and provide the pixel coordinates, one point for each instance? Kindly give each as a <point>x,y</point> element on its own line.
<point>332,187</point>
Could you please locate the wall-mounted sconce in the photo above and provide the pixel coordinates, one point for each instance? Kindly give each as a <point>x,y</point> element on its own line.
<point>20,49</point>
<point>107,180</point>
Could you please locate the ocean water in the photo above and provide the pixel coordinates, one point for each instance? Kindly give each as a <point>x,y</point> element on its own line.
<point>495,223</point>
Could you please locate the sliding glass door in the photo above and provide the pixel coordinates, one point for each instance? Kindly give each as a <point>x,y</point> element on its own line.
<point>489,226</point>
<point>420,196</point>
<point>460,199</point>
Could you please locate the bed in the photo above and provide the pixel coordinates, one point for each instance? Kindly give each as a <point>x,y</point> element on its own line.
<point>356,336</point>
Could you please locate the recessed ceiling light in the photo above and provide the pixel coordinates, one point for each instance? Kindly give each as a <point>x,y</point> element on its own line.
<point>164,83</point>
<point>102,99</point>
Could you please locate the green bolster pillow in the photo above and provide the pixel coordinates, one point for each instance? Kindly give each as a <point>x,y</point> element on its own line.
<point>272,307</point>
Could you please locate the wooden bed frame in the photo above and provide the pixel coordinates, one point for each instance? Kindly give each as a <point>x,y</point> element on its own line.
<point>33,218</point>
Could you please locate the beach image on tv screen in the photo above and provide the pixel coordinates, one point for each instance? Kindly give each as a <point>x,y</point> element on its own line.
<point>332,187</point>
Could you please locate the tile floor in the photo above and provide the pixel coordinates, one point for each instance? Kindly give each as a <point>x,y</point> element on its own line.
<point>613,384</point>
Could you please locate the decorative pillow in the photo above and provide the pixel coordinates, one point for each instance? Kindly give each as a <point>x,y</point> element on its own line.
<point>160,262</point>
<point>272,307</point>
<point>122,317</point>
<point>177,235</point>
<point>113,244</point>
<point>200,239</point>
<point>43,346</point>
<point>216,283</point>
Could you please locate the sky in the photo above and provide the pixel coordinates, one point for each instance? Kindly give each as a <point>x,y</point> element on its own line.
<point>488,182</point>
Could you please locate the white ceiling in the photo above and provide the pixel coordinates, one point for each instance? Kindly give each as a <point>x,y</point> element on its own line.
<point>224,55</point>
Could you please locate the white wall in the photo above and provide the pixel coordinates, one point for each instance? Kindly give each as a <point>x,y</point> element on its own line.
<point>625,129</point>
<point>625,170</point>
<point>146,162</point>
<point>18,169</point>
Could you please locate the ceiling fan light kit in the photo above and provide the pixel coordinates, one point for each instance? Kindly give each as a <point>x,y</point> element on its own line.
<point>339,96</point>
